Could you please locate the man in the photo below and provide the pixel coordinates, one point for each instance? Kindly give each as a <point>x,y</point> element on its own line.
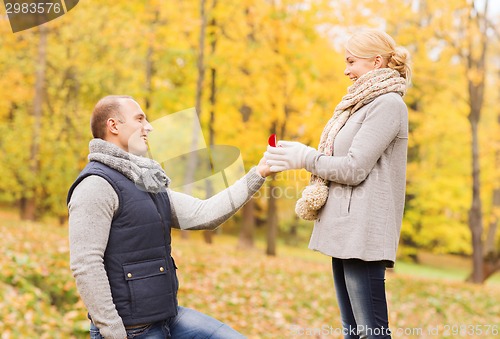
<point>121,212</point>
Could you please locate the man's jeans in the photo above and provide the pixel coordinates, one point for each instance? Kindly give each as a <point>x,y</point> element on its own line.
<point>360,288</point>
<point>187,324</point>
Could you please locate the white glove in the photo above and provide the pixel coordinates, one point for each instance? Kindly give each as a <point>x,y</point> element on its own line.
<point>287,155</point>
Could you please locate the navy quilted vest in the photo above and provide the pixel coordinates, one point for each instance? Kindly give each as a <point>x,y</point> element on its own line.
<point>137,259</point>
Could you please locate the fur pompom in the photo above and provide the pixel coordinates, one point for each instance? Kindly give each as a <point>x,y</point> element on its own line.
<point>313,198</point>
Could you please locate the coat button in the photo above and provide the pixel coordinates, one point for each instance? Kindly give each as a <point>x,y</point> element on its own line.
<point>162,269</point>
<point>129,275</point>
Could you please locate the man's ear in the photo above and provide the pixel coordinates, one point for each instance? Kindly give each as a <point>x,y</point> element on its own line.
<point>112,126</point>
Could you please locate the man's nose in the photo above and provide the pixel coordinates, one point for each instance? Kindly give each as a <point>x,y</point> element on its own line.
<point>148,127</point>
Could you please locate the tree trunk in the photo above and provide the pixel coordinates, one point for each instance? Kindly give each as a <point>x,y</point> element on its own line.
<point>245,240</point>
<point>201,58</point>
<point>476,70</point>
<point>192,160</point>
<point>149,77</point>
<point>150,67</point>
<point>28,208</point>
<point>28,202</point>
<point>208,235</point>
<point>272,219</point>
<point>491,266</point>
<point>475,212</point>
<point>490,246</point>
<point>293,232</point>
<point>491,262</point>
<point>247,231</point>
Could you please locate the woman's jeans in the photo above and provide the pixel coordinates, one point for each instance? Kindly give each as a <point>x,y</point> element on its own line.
<point>187,324</point>
<point>360,288</point>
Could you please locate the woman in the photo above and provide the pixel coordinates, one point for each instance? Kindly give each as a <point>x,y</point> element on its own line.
<point>357,189</point>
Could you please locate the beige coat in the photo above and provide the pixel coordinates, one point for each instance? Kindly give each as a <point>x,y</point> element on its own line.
<point>363,214</point>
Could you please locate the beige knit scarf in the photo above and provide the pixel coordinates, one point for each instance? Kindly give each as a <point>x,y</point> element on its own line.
<point>369,86</point>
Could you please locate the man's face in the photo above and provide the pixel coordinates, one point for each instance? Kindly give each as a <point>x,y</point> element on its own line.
<point>134,129</point>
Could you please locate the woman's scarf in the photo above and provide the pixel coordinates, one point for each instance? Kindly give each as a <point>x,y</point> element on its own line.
<point>144,172</point>
<point>369,86</point>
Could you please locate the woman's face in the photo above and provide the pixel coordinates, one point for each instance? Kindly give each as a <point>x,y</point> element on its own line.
<point>356,67</point>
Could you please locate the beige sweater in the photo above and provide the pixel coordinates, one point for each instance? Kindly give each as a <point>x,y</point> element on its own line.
<point>367,172</point>
<point>91,211</point>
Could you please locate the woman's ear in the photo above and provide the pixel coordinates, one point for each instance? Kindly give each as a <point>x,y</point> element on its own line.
<point>378,62</point>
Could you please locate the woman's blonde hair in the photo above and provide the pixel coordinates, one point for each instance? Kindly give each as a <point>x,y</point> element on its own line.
<point>372,42</point>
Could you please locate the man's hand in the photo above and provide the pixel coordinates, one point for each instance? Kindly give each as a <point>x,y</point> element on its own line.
<point>288,155</point>
<point>263,168</point>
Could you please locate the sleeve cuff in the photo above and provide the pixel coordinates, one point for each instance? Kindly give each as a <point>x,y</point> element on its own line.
<point>254,180</point>
<point>114,331</point>
<point>312,159</point>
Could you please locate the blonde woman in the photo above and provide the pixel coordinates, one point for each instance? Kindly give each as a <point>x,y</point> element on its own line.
<point>357,189</point>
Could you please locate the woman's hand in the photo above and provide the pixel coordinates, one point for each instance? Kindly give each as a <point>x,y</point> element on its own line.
<point>287,155</point>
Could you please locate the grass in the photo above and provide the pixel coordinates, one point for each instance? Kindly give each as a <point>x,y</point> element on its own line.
<point>290,295</point>
<point>444,267</point>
